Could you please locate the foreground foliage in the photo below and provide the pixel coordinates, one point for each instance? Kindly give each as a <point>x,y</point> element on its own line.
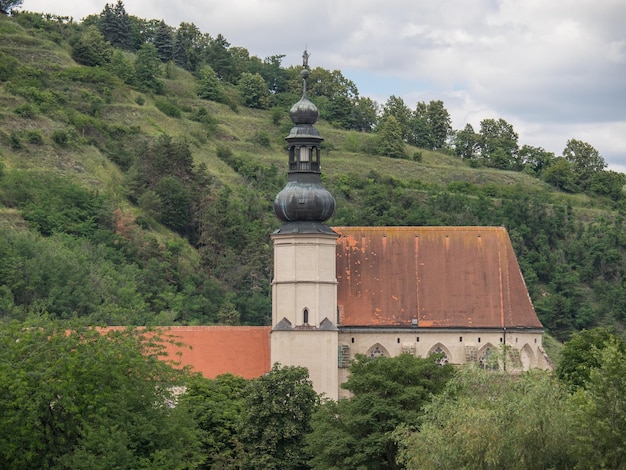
<point>356,432</point>
<point>78,398</point>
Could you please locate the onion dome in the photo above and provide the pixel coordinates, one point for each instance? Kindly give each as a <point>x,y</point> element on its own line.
<point>304,111</point>
<point>304,204</point>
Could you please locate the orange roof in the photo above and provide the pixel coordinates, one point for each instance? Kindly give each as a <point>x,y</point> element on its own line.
<point>215,350</point>
<point>465,277</point>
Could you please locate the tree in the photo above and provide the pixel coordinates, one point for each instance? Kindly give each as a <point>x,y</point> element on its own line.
<point>7,5</point>
<point>115,25</point>
<point>219,58</point>
<point>253,90</point>
<point>277,416</point>
<point>396,107</point>
<point>148,69</point>
<point>74,397</point>
<point>561,175</point>
<point>164,41</point>
<point>189,45</point>
<point>608,183</point>
<point>536,159</point>
<point>586,161</point>
<point>391,143</point>
<point>365,114</point>
<point>491,420</point>
<point>122,66</point>
<point>498,143</point>
<point>578,356</point>
<point>209,86</point>
<point>356,432</point>
<point>91,48</point>
<point>466,143</point>
<point>430,125</point>
<point>600,410</point>
<point>217,406</point>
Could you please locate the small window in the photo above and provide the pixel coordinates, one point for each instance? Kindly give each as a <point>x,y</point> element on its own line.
<point>500,339</point>
<point>479,339</point>
<point>353,340</point>
<point>460,339</point>
<point>398,340</point>
<point>306,316</point>
<point>417,339</point>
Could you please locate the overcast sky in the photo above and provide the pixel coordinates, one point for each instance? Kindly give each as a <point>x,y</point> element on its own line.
<point>554,69</point>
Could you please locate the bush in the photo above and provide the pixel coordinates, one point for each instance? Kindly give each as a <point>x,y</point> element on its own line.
<point>60,137</point>
<point>168,108</point>
<point>16,143</point>
<point>262,138</point>
<point>25,110</point>
<point>34,137</point>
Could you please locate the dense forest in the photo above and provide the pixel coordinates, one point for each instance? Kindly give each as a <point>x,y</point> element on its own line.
<point>138,165</point>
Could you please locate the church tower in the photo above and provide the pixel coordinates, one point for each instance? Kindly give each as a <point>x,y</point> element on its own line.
<point>304,287</point>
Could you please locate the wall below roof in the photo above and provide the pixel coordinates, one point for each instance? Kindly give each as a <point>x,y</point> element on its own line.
<point>460,346</point>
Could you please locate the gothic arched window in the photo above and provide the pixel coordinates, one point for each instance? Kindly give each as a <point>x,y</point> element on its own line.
<point>443,360</point>
<point>488,360</point>
<point>377,351</point>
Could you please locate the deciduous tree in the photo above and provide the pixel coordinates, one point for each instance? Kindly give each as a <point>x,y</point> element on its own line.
<point>356,432</point>
<point>253,90</point>
<point>277,415</point>
<point>72,397</point>
<point>491,420</point>
<point>586,161</point>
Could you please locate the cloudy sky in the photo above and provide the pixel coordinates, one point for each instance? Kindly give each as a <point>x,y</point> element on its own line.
<point>554,69</point>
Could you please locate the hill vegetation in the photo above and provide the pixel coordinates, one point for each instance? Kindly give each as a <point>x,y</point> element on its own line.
<point>139,161</point>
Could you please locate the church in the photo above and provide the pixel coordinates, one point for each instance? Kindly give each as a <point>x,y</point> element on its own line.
<point>378,291</point>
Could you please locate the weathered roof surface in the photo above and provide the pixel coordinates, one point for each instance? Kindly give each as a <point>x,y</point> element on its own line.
<point>215,350</point>
<point>465,277</point>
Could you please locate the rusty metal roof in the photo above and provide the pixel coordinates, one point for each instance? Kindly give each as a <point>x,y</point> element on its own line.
<point>437,277</point>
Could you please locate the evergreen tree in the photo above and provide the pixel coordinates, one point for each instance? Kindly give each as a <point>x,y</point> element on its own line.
<point>391,143</point>
<point>188,46</point>
<point>219,58</point>
<point>439,123</point>
<point>466,143</point>
<point>164,42</point>
<point>115,25</point>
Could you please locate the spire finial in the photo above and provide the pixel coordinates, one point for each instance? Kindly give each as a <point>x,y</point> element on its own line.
<point>305,58</point>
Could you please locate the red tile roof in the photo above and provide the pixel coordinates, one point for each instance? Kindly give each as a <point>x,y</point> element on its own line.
<point>215,350</point>
<point>440,276</point>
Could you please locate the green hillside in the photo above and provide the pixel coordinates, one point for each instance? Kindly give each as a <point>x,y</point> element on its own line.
<point>126,198</point>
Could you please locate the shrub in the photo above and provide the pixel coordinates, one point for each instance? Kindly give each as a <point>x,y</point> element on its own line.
<point>25,110</point>
<point>60,137</point>
<point>16,143</point>
<point>168,108</point>
<point>262,138</point>
<point>34,137</point>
